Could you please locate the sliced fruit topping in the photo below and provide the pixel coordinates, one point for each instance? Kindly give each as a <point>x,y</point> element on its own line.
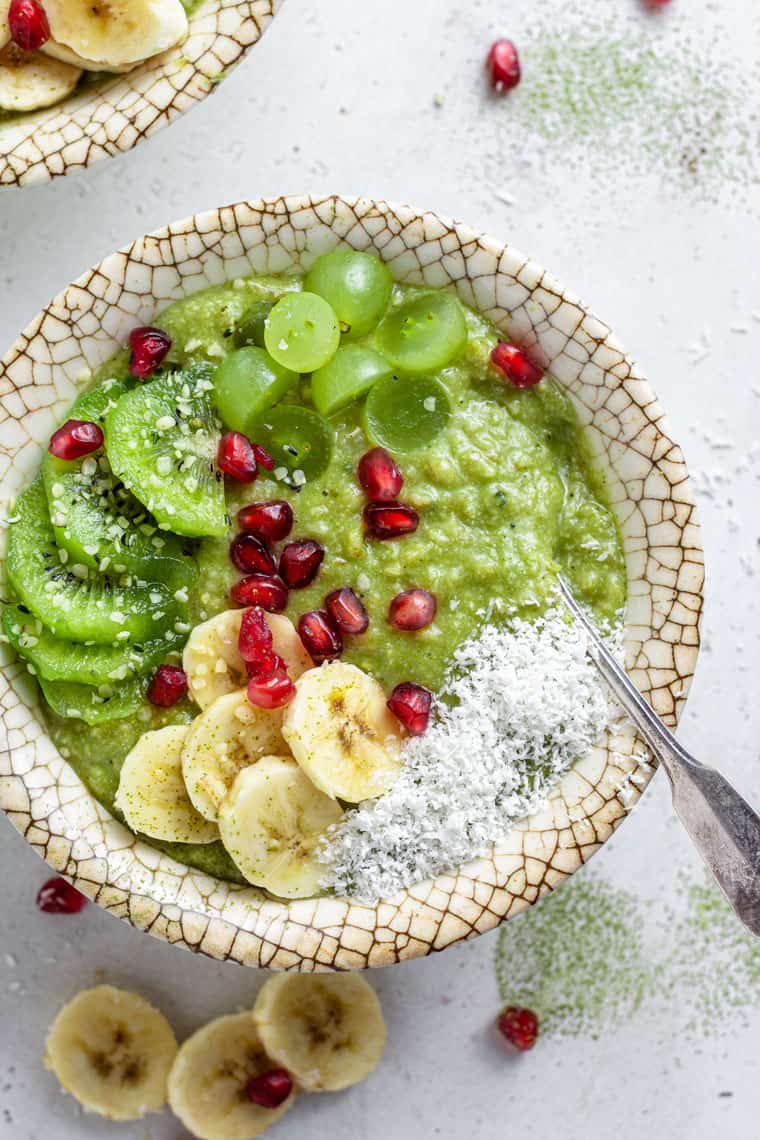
<point>247,384</point>
<point>341,733</point>
<point>300,562</point>
<point>168,685</point>
<point>515,364</point>
<point>301,441</point>
<point>237,458</point>
<point>390,520</point>
<point>251,556</point>
<point>152,796</point>
<point>75,439</point>
<point>252,325</point>
<point>149,349</point>
<point>28,24</point>
<point>406,413</point>
<point>423,333</point>
<point>94,704</point>
<point>270,521</point>
<point>57,896</point>
<point>503,65</point>
<point>411,703</point>
<point>30,80</point>
<point>327,1030</point>
<point>302,332</point>
<point>519,1026</point>
<point>320,636</point>
<point>380,475</point>
<point>118,33</point>
<point>347,612</point>
<point>272,822</point>
<point>347,377</point>
<point>270,1090</point>
<point>271,690</point>
<point>162,440</point>
<point>412,609</point>
<point>357,286</point>
<point>269,592</point>
<point>112,1051</point>
<point>209,1079</point>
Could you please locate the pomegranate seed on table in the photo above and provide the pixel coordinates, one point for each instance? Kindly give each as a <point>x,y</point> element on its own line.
<point>149,347</point>
<point>28,24</point>
<point>390,520</point>
<point>516,365</point>
<point>272,691</point>
<point>380,475</point>
<point>270,521</point>
<point>263,457</point>
<point>57,896</point>
<point>74,439</point>
<point>251,556</point>
<point>347,611</point>
<point>300,562</point>
<point>168,685</point>
<point>412,609</point>
<point>267,591</point>
<point>519,1026</point>
<point>271,1089</point>
<point>321,639</point>
<point>503,64</point>
<point>236,457</point>
<point>411,703</point>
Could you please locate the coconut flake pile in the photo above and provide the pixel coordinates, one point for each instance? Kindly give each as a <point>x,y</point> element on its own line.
<point>520,705</point>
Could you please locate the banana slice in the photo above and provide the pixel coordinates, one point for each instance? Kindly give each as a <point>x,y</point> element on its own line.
<point>214,665</point>
<point>208,1079</point>
<point>29,81</point>
<point>5,32</point>
<point>231,734</point>
<point>342,733</point>
<point>112,1051</point>
<point>112,33</point>
<point>271,823</point>
<point>327,1030</point>
<point>60,51</point>
<point>152,795</point>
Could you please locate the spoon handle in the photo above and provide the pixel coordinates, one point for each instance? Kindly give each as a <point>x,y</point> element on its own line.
<point>722,825</point>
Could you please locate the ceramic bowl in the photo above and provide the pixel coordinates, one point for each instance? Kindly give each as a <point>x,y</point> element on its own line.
<point>118,113</point>
<point>41,375</point>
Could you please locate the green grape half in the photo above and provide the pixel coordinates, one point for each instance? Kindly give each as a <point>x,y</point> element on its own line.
<point>404,413</point>
<point>251,326</point>
<point>424,333</point>
<point>247,383</point>
<point>357,285</point>
<point>347,377</point>
<point>302,332</point>
<point>297,438</point>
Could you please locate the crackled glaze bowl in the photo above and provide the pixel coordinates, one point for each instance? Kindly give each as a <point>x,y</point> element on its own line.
<point>41,375</point>
<point>112,116</point>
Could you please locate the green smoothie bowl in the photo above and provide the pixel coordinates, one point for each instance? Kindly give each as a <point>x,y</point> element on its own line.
<point>287,487</point>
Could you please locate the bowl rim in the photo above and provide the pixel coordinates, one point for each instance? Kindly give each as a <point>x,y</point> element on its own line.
<point>651,496</point>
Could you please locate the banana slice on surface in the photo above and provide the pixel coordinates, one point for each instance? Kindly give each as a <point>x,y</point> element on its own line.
<point>113,33</point>
<point>271,823</point>
<point>327,1030</point>
<point>152,796</point>
<point>340,730</point>
<point>213,663</point>
<point>112,1051</point>
<point>208,1078</point>
<point>228,736</point>
<point>66,55</point>
<point>30,81</point>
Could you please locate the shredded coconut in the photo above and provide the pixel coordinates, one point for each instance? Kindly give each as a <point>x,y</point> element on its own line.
<point>520,705</point>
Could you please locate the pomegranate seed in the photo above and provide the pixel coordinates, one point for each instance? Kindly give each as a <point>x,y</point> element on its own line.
<point>270,1090</point>
<point>390,520</point>
<point>255,636</point>
<point>519,1026</point>
<point>263,457</point>
<point>236,458</point>
<point>75,439</point>
<point>380,475</point>
<point>411,703</point>
<point>300,561</point>
<point>270,521</point>
<point>412,609</point>
<point>168,685</point>
<point>504,65</point>
<point>267,591</point>
<point>321,639</point>
<point>271,692</point>
<point>515,365</point>
<point>57,896</point>
<point>347,611</point>
<point>28,24</point>
<point>250,555</point>
<point>149,347</point>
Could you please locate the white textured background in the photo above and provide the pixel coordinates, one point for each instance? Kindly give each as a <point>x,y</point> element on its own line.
<point>389,100</point>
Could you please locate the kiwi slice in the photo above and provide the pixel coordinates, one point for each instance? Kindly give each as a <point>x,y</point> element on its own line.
<point>98,521</point>
<point>94,705</point>
<point>73,602</point>
<point>162,439</point>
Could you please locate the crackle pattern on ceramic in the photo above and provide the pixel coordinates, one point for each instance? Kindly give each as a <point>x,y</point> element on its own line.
<point>39,378</point>
<point>115,115</point>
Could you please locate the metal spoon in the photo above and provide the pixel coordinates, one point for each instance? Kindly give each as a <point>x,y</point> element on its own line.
<point>722,825</point>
